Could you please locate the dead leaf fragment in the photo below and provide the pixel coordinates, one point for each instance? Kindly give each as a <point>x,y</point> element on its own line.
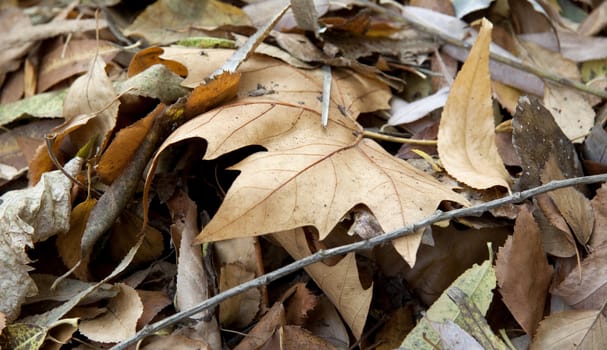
<point>119,322</point>
<point>523,273</point>
<point>466,134</point>
<point>340,282</point>
<point>576,329</point>
<point>589,292</point>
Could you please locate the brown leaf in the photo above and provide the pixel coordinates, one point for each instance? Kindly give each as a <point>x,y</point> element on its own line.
<point>148,57</point>
<point>466,134</point>
<point>557,238</point>
<point>532,123</point>
<point>264,329</point>
<point>523,273</point>
<point>599,206</point>
<point>90,101</point>
<point>294,337</point>
<point>119,322</point>
<point>240,310</point>
<point>572,204</point>
<point>302,155</point>
<point>153,302</point>
<point>340,282</point>
<point>299,301</point>
<point>583,330</point>
<point>67,59</point>
<point>122,149</point>
<point>68,244</point>
<point>589,290</point>
<point>164,21</point>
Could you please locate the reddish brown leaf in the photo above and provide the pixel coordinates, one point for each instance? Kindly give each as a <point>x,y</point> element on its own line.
<point>523,273</point>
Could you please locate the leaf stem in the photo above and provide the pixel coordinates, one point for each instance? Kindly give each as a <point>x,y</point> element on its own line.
<point>516,197</point>
<point>385,137</point>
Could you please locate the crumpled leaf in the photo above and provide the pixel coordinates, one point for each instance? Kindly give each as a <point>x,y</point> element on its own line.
<point>340,282</point>
<point>466,134</point>
<point>477,283</point>
<point>29,216</point>
<point>576,329</point>
<point>319,168</point>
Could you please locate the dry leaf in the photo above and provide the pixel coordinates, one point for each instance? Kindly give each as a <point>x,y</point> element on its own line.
<point>71,58</point>
<point>122,149</point>
<point>192,278</point>
<point>599,206</point>
<point>240,310</point>
<point>589,292</point>
<point>523,273</point>
<point>68,244</point>
<point>304,160</point>
<point>583,330</point>
<point>294,337</point>
<point>119,322</point>
<point>153,302</point>
<point>340,282</point>
<point>466,134</point>
<point>29,216</point>
<point>90,101</point>
<point>572,204</point>
<point>148,57</point>
<point>264,329</point>
<point>163,21</point>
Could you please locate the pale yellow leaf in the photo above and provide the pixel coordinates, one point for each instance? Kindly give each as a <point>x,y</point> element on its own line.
<point>466,134</point>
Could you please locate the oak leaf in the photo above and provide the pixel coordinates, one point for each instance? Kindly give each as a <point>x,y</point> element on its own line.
<point>466,134</point>
<point>309,176</point>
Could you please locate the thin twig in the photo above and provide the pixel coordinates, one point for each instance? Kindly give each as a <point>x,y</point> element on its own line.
<point>499,58</point>
<point>390,138</point>
<point>366,244</point>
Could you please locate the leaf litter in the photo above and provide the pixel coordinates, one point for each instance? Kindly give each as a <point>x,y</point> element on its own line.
<point>247,149</point>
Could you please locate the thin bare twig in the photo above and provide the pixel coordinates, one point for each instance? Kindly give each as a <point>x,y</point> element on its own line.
<point>366,244</point>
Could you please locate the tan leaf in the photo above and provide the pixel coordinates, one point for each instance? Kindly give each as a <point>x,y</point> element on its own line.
<point>583,330</point>
<point>523,273</point>
<point>239,310</point>
<point>466,134</point>
<point>119,322</point>
<point>340,282</point>
<point>264,329</point>
<point>589,292</point>
<point>572,204</point>
<point>310,175</point>
<point>90,101</point>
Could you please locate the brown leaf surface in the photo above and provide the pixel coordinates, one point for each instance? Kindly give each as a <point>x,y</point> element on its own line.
<point>310,175</point>
<point>583,330</point>
<point>466,135</point>
<point>340,282</point>
<point>572,204</point>
<point>523,273</point>
<point>119,322</point>
<point>599,206</point>
<point>90,101</point>
<point>589,292</point>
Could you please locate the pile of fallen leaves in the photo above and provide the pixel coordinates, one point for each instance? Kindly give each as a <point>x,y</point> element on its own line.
<point>169,171</point>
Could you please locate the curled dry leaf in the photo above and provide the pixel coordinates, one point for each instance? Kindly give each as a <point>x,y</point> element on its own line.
<point>466,134</point>
<point>29,216</point>
<point>310,175</point>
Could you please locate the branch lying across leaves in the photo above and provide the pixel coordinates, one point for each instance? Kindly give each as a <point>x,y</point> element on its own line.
<point>366,244</point>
